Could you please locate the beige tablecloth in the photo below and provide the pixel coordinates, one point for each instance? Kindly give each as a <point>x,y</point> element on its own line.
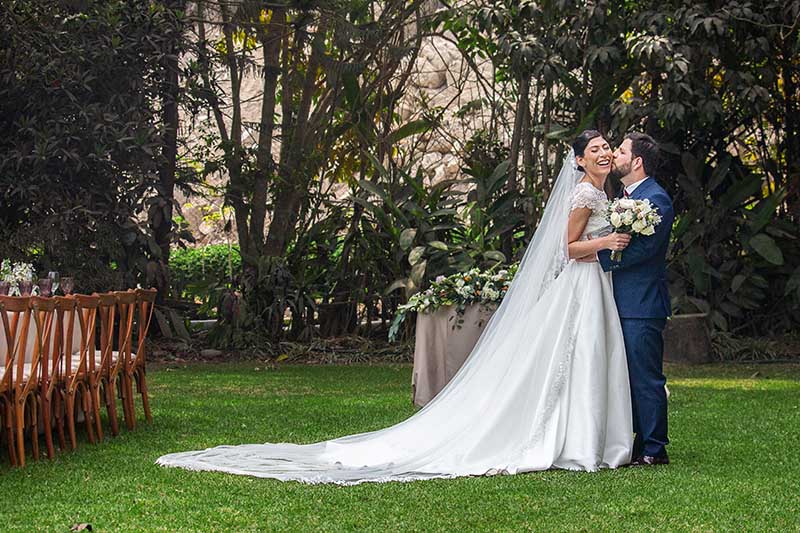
<point>441,347</point>
<point>76,339</point>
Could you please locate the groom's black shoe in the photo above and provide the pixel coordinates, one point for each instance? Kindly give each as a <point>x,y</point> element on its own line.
<point>649,460</point>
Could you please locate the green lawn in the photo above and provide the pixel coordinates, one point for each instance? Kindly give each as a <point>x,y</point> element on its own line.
<point>734,449</point>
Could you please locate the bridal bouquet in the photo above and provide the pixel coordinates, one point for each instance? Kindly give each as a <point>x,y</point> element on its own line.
<point>16,273</point>
<point>635,217</point>
<point>461,290</point>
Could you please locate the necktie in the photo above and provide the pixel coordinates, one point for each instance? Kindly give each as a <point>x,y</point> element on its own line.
<point>625,193</point>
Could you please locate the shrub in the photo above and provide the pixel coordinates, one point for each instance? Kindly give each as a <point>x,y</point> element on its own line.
<point>198,273</point>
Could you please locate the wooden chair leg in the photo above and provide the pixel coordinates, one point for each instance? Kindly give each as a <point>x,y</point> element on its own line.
<point>141,382</point>
<point>129,379</point>
<point>70,416</point>
<point>33,413</point>
<point>19,430</point>
<point>59,410</point>
<point>111,406</point>
<point>95,395</point>
<point>47,425</point>
<point>9,431</point>
<point>89,412</point>
<point>125,396</point>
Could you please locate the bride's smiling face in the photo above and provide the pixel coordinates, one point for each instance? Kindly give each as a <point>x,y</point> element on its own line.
<point>597,157</point>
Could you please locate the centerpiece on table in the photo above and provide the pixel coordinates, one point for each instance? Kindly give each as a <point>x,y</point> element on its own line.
<point>461,290</point>
<point>16,278</point>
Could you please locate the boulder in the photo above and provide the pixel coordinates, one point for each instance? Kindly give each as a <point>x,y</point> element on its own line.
<point>687,339</point>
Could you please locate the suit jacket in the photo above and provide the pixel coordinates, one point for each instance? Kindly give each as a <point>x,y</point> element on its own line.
<point>640,277</point>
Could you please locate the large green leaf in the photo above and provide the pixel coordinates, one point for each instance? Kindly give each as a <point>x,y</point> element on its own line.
<point>416,255</point>
<point>697,263</point>
<point>397,284</point>
<point>372,188</point>
<point>418,273</point>
<point>794,283</point>
<point>766,209</point>
<point>767,248</point>
<point>439,245</point>
<point>498,177</point>
<point>494,255</point>
<point>740,191</point>
<point>737,282</point>
<point>408,129</point>
<point>407,238</point>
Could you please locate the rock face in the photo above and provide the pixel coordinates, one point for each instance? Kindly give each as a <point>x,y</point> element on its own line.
<point>687,339</point>
<point>441,80</point>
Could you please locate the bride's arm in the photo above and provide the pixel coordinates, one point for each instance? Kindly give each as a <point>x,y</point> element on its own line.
<point>578,249</point>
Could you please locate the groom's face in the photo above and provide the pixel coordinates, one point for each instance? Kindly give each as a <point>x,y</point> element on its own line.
<point>622,164</point>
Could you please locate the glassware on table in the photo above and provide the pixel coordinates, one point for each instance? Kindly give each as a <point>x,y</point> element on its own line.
<point>25,287</point>
<point>67,285</point>
<point>4,288</point>
<point>56,279</point>
<point>46,287</point>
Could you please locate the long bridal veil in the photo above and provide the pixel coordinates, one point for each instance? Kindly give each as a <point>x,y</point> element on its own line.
<point>495,415</point>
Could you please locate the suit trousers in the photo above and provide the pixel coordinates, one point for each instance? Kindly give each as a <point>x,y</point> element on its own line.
<point>644,346</point>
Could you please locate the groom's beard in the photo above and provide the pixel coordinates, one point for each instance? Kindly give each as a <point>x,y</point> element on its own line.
<point>618,172</point>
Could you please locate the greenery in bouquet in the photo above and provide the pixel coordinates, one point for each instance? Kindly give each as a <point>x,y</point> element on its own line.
<point>460,290</point>
<point>13,273</point>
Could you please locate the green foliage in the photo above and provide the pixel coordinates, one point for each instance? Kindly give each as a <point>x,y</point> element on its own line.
<point>79,134</point>
<point>198,273</point>
<point>732,256</point>
<point>716,84</point>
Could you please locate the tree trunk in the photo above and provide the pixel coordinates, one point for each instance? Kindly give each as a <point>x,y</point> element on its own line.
<point>507,239</point>
<point>161,214</point>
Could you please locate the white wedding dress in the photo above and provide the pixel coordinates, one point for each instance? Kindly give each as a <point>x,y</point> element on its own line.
<point>545,387</point>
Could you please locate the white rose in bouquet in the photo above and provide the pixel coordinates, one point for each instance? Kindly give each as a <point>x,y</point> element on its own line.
<point>636,217</point>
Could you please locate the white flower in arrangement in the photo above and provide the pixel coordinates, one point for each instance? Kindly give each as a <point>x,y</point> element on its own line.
<point>14,273</point>
<point>465,291</point>
<point>489,293</point>
<point>636,217</point>
<point>627,218</point>
<point>458,290</point>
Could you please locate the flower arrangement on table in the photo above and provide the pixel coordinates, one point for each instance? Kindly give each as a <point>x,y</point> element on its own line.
<point>635,217</point>
<point>16,274</point>
<point>460,290</point>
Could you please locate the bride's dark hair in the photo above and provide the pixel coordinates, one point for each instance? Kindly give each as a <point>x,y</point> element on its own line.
<point>582,141</point>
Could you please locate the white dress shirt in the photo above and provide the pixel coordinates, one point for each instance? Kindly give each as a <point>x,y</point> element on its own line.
<point>632,187</point>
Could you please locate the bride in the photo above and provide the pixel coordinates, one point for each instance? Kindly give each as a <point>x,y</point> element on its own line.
<point>546,386</point>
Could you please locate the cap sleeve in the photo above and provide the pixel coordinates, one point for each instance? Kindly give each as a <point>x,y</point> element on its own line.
<point>584,195</point>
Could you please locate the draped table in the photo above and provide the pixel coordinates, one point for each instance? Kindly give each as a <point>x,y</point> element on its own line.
<point>76,338</point>
<point>442,345</point>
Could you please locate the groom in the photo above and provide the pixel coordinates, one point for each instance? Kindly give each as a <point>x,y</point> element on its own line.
<point>640,290</point>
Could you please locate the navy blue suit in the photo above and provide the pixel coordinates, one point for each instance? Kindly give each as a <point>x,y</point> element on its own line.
<point>642,296</point>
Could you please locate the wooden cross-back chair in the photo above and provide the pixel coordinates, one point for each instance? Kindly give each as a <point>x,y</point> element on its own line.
<point>135,369</point>
<point>126,311</point>
<point>73,383</point>
<point>6,385</point>
<point>46,346</point>
<point>26,361</point>
<point>16,317</point>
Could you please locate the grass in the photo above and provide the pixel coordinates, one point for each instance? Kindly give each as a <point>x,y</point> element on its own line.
<point>735,431</point>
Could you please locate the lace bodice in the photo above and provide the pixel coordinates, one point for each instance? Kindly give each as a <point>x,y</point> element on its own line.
<point>587,195</point>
